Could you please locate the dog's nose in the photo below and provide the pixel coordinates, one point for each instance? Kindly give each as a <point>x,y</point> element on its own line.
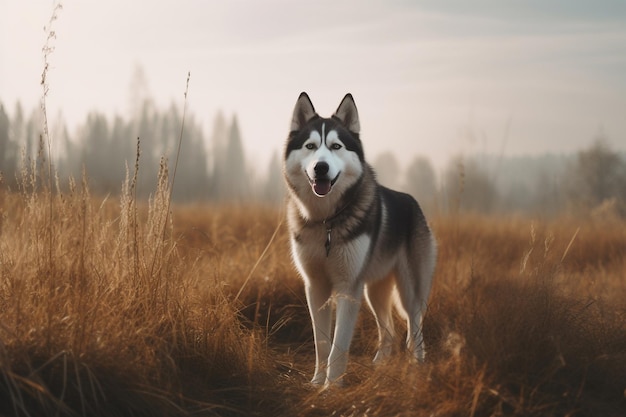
<point>321,168</point>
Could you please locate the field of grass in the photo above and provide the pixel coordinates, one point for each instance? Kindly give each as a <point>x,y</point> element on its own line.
<point>111,307</point>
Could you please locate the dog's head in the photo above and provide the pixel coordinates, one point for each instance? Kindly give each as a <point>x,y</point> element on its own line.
<point>325,155</point>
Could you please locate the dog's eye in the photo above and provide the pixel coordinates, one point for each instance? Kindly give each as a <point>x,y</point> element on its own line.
<point>335,146</point>
<point>310,146</point>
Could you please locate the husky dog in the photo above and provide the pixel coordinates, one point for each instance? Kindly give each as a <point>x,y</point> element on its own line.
<point>351,237</point>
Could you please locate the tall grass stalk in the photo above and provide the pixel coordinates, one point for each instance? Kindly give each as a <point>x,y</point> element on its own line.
<point>171,185</point>
<point>47,51</point>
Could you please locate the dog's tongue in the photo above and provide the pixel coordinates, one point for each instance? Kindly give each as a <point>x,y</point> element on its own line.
<point>321,187</point>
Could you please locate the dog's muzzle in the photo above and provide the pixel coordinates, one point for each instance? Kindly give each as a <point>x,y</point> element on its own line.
<point>321,183</point>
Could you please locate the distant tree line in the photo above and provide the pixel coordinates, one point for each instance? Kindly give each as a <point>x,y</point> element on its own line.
<point>105,149</point>
<point>214,168</point>
<point>593,181</point>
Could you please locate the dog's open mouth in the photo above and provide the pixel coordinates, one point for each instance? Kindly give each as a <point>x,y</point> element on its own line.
<point>322,186</point>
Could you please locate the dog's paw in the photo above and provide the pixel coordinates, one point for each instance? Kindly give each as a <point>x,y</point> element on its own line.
<point>319,379</point>
<point>335,383</point>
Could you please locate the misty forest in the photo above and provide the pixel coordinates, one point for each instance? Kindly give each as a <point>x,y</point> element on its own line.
<point>214,167</point>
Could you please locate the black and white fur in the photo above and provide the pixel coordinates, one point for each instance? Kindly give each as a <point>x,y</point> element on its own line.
<point>351,237</point>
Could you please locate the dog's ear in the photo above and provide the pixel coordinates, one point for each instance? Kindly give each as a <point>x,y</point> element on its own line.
<point>302,113</point>
<point>348,115</point>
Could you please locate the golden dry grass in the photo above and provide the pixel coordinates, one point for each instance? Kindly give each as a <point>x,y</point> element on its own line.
<point>113,308</point>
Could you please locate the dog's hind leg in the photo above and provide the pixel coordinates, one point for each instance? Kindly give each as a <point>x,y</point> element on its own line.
<point>379,296</point>
<point>415,335</point>
<point>414,297</point>
<point>318,296</point>
<point>348,304</point>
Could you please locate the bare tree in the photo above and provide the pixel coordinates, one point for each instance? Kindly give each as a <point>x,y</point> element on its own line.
<point>7,158</point>
<point>598,175</point>
<point>274,190</point>
<point>468,187</point>
<point>420,181</point>
<point>387,169</point>
<point>218,140</point>
<point>233,180</point>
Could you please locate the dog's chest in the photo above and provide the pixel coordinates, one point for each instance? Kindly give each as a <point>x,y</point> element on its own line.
<point>321,253</point>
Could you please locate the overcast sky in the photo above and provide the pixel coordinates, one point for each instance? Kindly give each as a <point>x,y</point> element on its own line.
<point>433,78</point>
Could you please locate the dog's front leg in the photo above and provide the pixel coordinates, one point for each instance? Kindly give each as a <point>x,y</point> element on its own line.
<point>318,295</point>
<point>348,305</point>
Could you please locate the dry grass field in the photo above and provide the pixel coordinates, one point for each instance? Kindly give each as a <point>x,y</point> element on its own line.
<point>110,307</point>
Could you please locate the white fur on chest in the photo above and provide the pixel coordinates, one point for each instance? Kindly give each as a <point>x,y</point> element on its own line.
<point>341,267</point>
